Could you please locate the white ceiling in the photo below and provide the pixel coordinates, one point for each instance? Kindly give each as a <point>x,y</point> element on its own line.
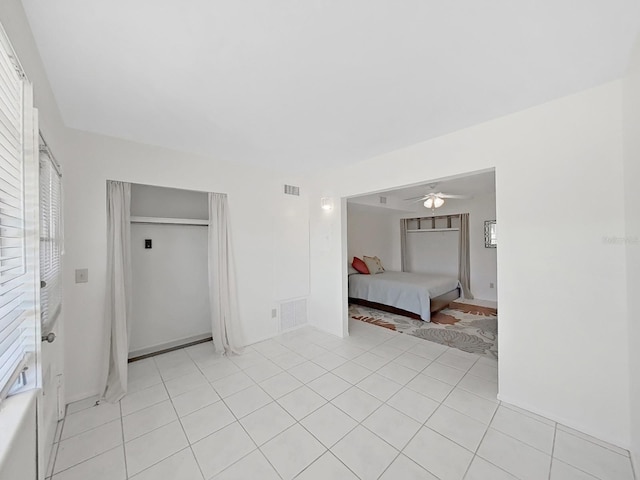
<point>300,85</point>
<point>470,185</point>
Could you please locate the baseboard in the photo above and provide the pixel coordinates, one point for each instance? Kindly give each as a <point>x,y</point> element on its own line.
<point>168,346</point>
<point>567,423</point>
<point>635,463</point>
<point>80,396</point>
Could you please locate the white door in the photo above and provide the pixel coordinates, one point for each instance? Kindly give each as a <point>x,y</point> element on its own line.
<point>51,406</point>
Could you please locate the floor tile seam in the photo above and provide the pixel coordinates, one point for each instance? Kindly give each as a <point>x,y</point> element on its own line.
<point>207,384</point>
<point>563,427</point>
<point>297,422</point>
<point>62,440</point>
<point>150,405</point>
<point>442,404</point>
<point>529,416</point>
<point>53,475</point>
<point>475,453</point>
<point>257,449</point>
<point>521,441</point>
<point>452,366</point>
<point>553,448</point>
<point>155,429</point>
<point>124,451</point>
<point>137,390</point>
<point>92,428</point>
<point>237,420</point>
<point>242,389</point>
<point>54,452</point>
<point>532,416</point>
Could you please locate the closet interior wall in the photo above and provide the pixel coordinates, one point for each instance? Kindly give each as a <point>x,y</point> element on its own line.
<point>170,304</point>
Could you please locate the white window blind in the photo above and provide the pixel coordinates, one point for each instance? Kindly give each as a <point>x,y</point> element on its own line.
<point>14,314</point>
<point>50,241</point>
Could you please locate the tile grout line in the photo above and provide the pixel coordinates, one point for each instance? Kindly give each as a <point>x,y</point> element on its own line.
<point>553,448</point>
<point>189,446</point>
<point>475,453</point>
<point>124,451</point>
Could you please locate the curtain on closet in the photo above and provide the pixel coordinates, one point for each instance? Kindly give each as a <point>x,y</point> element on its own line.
<point>226,331</point>
<point>464,270</point>
<point>118,301</point>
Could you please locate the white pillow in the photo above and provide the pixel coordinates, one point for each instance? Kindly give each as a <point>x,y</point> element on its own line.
<point>373,264</point>
<point>351,270</point>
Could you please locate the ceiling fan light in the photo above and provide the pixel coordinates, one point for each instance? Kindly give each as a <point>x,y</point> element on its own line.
<point>428,203</point>
<point>438,202</point>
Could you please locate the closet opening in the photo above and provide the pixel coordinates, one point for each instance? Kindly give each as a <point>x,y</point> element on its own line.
<point>169,251</point>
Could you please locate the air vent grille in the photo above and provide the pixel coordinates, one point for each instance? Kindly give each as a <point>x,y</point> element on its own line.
<point>291,190</point>
<point>383,200</point>
<point>293,314</point>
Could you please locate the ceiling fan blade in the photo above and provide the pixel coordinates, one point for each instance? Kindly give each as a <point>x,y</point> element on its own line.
<point>446,195</point>
<point>421,197</point>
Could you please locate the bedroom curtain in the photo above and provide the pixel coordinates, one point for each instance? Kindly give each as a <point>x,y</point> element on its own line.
<point>403,244</point>
<point>222,285</point>
<point>118,301</point>
<point>464,271</point>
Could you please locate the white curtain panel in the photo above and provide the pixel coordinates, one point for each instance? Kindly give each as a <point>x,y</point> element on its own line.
<point>225,322</point>
<point>464,270</point>
<point>118,301</point>
<point>403,243</point>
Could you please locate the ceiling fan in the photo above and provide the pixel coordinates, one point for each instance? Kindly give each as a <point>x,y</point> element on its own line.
<point>434,200</point>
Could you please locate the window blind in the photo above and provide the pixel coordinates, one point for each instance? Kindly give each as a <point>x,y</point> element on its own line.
<point>50,241</point>
<point>13,278</point>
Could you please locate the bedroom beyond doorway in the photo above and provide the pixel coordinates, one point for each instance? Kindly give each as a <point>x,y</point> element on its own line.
<point>429,261</point>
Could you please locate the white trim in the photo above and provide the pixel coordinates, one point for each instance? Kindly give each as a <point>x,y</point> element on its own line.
<point>433,230</point>
<point>172,344</point>
<point>171,221</point>
<point>567,423</point>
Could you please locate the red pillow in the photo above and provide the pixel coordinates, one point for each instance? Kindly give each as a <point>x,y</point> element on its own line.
<point>360,266</point>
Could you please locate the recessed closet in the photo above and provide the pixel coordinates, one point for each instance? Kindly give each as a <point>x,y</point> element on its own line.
<point>169,252</point>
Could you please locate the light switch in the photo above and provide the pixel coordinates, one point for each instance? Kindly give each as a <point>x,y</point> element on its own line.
<point>82,275</point>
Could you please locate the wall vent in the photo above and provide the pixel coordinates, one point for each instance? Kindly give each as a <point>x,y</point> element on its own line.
<point>293,314</point>
<point>291,190</point>
<point>383,200</point>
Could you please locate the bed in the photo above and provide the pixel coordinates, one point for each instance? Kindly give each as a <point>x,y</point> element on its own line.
<point>413,295</point>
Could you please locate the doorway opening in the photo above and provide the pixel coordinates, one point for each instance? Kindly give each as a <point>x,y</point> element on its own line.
<point>426,261</point>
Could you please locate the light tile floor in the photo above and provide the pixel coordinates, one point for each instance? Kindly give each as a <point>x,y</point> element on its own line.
<point>308,405</point>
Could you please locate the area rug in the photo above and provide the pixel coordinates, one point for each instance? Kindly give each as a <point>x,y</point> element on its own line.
<point>465,327</point>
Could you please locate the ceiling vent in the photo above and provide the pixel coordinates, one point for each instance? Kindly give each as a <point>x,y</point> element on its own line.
<point>383,200</point>
<point>292,190</point>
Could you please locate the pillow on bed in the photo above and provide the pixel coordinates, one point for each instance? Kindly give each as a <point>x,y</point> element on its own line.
<point>360,266</point>
<point>373,264</point>
<point>351,270</point>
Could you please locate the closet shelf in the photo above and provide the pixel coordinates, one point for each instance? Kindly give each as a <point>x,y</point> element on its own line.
<point>171,221</point>
<point>433,230</point>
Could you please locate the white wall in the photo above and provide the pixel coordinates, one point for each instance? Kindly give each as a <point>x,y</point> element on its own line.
<point>170,302</point>
<point>254,203</point>
<point>631,102</point>
<point>374,231</point>
<point>558,279</point>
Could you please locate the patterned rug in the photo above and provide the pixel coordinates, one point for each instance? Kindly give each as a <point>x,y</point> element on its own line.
<point>465,327</point>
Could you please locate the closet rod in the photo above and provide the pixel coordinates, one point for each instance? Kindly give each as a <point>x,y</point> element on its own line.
<point>192,222</point>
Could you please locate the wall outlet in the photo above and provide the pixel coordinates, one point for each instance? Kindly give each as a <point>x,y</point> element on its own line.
<point>274,312</point>
<point>491,285</point>
<point>82,275</point>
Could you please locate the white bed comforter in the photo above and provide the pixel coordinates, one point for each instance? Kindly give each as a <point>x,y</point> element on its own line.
<point>408,291</point>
